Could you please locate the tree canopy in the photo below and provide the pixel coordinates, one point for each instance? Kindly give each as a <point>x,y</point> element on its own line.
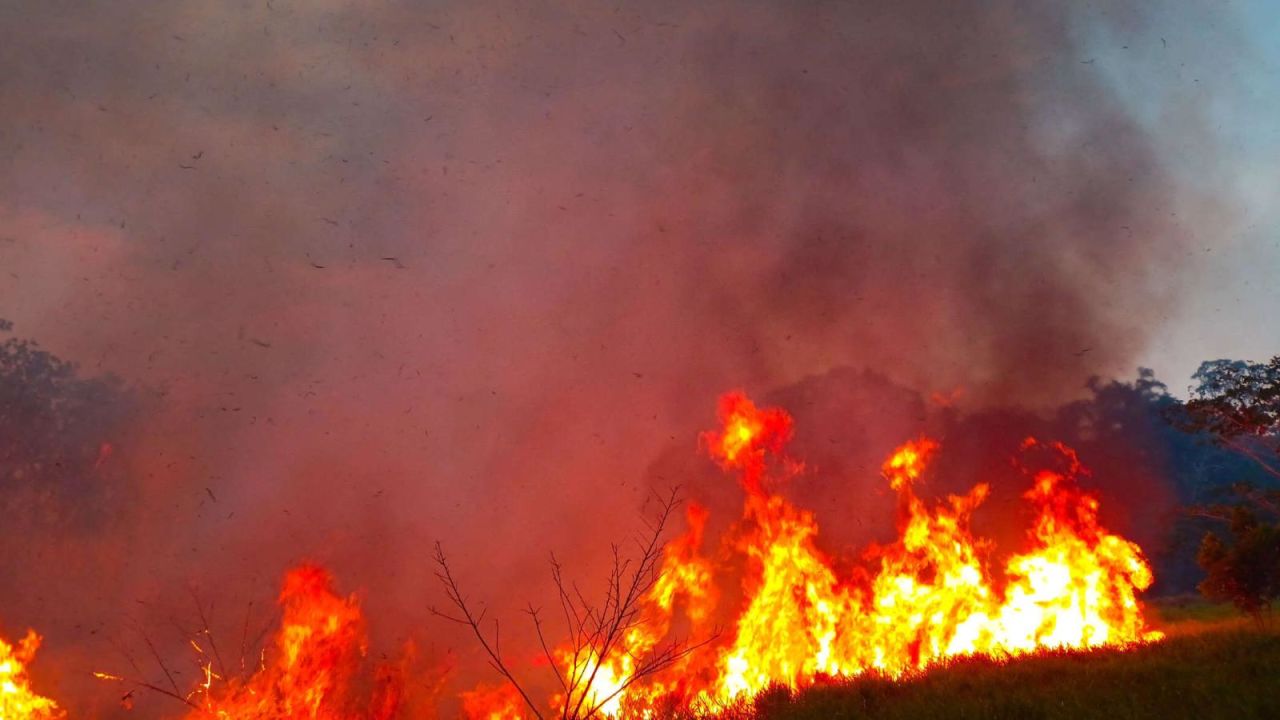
<point>1237,403</point>
<point>60,434</point>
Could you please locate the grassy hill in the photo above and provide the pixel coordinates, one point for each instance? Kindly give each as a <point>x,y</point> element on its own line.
<point>1213,664</point>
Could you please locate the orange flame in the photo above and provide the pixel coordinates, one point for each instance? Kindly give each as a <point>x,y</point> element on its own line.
<point>493,702</point>
<point>317,651</point>
<point>928,596</point>
<point>747,435</point>
<point>17,700</point>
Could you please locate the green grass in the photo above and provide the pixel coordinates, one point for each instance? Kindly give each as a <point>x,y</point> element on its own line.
<point>1213,664</point>
<point>1182,609</point>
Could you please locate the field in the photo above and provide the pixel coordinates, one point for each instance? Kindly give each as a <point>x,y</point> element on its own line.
<point>1213,664</point>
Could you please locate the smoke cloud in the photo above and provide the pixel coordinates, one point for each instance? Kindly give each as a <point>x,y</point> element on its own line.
<point>395,272</point>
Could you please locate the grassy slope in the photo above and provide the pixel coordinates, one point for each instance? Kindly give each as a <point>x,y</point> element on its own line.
<point>1212,665</point>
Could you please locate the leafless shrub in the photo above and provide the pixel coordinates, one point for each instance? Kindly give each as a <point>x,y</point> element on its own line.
<point>597,630</point>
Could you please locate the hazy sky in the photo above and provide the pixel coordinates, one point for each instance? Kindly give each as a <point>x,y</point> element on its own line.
<point>1231,307</point>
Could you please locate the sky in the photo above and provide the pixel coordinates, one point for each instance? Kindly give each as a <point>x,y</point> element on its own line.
<point>1229,308</point>
<point>396,272</point>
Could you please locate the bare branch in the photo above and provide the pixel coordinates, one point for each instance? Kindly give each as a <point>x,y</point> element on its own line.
<point>658,661</point>
<point>1244,450</point>
<point>546,651</point>
<point>598,633</point>
<point>624,605</point>
<point>244,636</point>
<point>204,621</point>
<point>160,661</point>
<point>454,594</point>
<point>157,689</point>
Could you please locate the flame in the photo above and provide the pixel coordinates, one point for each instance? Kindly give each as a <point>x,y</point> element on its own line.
<point>747,435</point>
<point>17,700</point>
<point>930,595</point>
<point>315,658</point>
<point>493,702</point>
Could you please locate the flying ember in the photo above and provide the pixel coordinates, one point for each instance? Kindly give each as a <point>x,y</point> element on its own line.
<point>931,594</point>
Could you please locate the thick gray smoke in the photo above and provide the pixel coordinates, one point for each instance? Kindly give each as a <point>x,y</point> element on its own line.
<point>398,271</point>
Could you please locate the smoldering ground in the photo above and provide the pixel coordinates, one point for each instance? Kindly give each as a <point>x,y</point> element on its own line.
<point>399,272</point>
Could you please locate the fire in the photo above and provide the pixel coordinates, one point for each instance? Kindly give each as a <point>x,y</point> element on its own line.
<point>791,616</point>
<point>930,595</point>
<point>747,436</point>
<point>496,702</point>
<point>315,659</point>
<point>1079,588</point>
<point>17,700</point>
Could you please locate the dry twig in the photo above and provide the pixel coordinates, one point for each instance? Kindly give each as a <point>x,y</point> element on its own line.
<point>597,630</point>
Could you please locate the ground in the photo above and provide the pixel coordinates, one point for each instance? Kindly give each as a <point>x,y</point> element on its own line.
<point>1213,664</point>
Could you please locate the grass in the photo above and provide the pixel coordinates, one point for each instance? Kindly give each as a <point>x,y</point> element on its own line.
<point>1213,664</point>
<point>1184,613</point>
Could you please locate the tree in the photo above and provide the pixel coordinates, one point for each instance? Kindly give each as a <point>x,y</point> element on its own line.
<point>1245,571</point>
<point>1236,404</point>
<point>59,434</point>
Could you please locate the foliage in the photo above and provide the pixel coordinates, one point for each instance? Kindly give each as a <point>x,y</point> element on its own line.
<point>1238,404</point>
<point>1235,405</point>
<point>1245,571</point>
<point>59,432</point>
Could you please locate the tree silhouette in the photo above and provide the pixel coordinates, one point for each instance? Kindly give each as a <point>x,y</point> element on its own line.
<point>1237,405</point>
<point>60,436</point>
<point>1246,570</point>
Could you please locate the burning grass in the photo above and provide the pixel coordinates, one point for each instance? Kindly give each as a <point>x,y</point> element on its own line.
<point>931,596</point>
<point>317,653</point>
<point>935,603</point>
<point>934,595</point>
<point>1212,665</point>
<point>313,669</point>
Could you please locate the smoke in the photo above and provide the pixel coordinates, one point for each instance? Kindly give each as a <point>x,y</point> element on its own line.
<point>403,271</point>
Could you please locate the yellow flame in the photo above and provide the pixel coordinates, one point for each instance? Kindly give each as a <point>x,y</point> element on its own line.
<point>17,700</point>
